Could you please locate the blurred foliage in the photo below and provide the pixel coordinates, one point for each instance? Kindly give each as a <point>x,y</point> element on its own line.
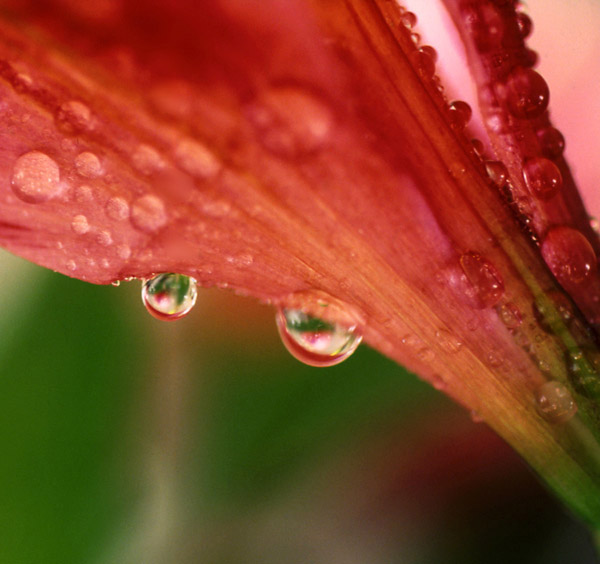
<point>129,440</point>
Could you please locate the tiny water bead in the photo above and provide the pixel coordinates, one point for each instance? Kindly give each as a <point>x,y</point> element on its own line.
<point>73,117</point>
<point>527,94</point>
<point>554,402</point>
<point>553,311</point>
<point>147,160</point>
<point>169,296</point>
<point>583,369</point>
<point>524,24</point>
<point>497,172</point>
<point>409,20</point>
<point>569,255</point>
<point>314,341</point>
<point>148,214</point>
<point>423,62</point>
<point>196,159</point>
<point>510,315</point>
<point>484,277</point>
<point>79,225</point>
<point>36,178</point>
<point>543,178</point>
<point>88,165</point>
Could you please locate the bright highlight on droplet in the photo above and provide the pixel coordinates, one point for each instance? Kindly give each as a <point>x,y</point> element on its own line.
<point>314,341</point>
<point>169,296</point>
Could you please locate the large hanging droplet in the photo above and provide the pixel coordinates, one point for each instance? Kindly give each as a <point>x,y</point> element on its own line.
<point>527,94</point>
<point>317,341</point>
<point>569,255</point>
<point>169,296</point>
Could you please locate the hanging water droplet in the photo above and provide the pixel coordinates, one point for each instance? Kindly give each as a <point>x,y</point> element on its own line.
<point>409,20</point>
<point>524,24</point>
<point>80,225</point>
<point>569,255</point>
<point>552,142</point>
<point>317,340</point>
<point>36,178</point>
<point>169,296</point>
<point>88,165</point>
<point>527,94</point>
<point>543,178</point>
<point>459,113</point>
<point>554,402</point>
<point>423,63</point>
<point>484,277</point>
<point>583,368</point>
<point>510,315</point>
<point>148,213</point>
<point>73,117</point>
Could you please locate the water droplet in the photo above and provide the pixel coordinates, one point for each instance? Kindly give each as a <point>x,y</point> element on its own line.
<point>423,63</point>
<point>583,368</point>
<point>117,208</point>
<point>73,117</point>
<point>530,58</point>
<point>510,315</point>
<point>409,20</point>
<point>320,332</point>
<point>429,50</point>
<point>595,224</point>
<point>448,341</point>
<point>36,178</point>
<point>124,251</point>
<point>527,93</point>
<point>88,165</point>
<point>104,238</point>
<point>554,402</point>
<point>553,314</point>
<point>459,113</point>
<point>552,142</point>
<point>524,24</point>
<point>484,277</point>
<point>569,255</point>
<point>478,147</point>
<point>290,121</point>
<point>83,194</point>
<point>497,173</point>
<point>169,296</point>
<point>196,159</point>
<point>543,178</point>
<point>147,160</point>
<point>485,24</point>
<point>80,225</point>
<point>148,214</point>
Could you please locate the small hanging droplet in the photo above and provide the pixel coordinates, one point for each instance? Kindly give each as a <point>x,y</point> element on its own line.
<point>317,340</point>
<point>497,172</point>
<point>510,315</point>
<point>524,24</point>
<point>527,94</point>
<point>459,113</point>
<point>552,142</point>
<point>543,178</point>
<point>88,165</point>
<point>409,20</point>
<point>583,368</point>
<point>569,255</point>
<point>484,277</point>
<point>169,296</point>
<point>554,402</point>
<point>423,63</point>
<point>36,178</point>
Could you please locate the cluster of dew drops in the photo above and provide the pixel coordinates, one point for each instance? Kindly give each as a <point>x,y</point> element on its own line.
<point>312,340</point>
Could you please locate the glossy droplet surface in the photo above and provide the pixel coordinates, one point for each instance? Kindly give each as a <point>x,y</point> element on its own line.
<point>554,402</point>
<point>148,214</point>
<point>315,341</point>
<point>36,178</point>
<point>423,63</point>
<point>569,255</point>
<point>527,93</point>
<point>88,165</point>
<point>497,172</point>
<point>409,20</point>
<point>73,117</point>
<point>524,24</point>
<point>459,113</point>
<point>80,225</point>
<point>147,160</point>
<point>583,368</point>
<point>169,296</point>
<point>196,159</point>
<point>510,315</point>
<point>552,142</point>
<point>484,277</point>
<point>291,121</point>
<point>543,178</point>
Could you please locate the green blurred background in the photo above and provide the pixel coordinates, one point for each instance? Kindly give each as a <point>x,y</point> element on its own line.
<point>128,440</point>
